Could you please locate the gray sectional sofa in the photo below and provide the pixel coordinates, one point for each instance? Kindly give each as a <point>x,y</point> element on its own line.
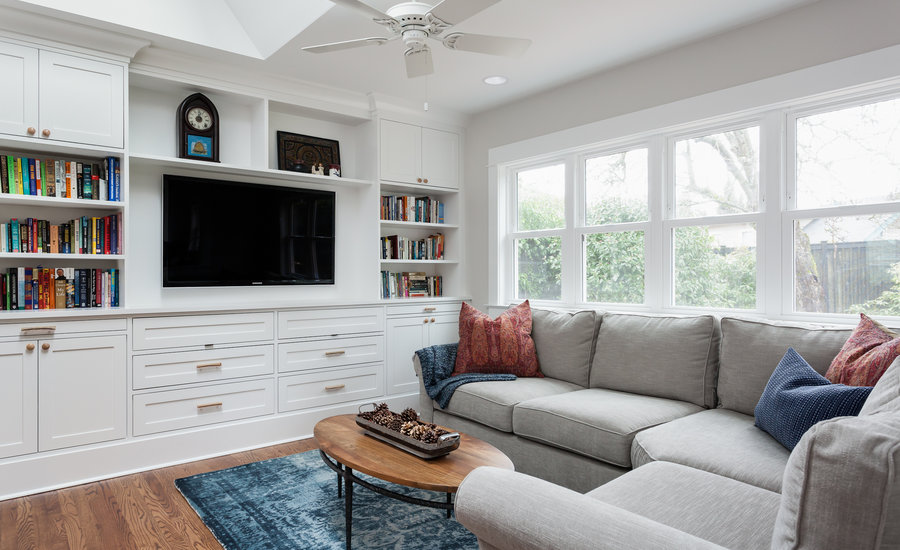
<point>664,402</point>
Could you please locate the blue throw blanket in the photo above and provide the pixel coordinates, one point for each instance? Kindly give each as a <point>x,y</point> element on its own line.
<point>437,366</point>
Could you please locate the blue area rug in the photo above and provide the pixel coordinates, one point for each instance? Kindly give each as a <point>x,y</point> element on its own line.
<point>291,502</point>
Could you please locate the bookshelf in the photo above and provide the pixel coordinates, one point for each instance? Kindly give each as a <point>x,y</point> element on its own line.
<point>394,168</point>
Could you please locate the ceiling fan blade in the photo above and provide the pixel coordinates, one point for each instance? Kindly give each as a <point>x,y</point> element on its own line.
<point>418,63</point>
<point>362,7</point>
<point>347,44</point>
<point>453,12</point>
<point>483,43</point>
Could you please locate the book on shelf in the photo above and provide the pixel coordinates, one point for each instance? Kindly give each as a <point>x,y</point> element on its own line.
<point>407,208</point>
<point>60,178</point>
<point>59,288</point>
<point>407,284</point>
<point>85,235</point>
<point>398,247</point>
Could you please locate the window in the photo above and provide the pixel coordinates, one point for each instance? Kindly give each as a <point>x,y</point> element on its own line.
<point>846,220</point>
<point>706,216</point>
<point>717,182</point>
<point>540,218</point>
<point>615,221</point>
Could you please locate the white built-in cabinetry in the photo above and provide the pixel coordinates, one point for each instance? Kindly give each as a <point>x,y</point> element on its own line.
<point>61,97</point>
<point>417,161</point>
<point>412,327</point>
<point>65,388</point>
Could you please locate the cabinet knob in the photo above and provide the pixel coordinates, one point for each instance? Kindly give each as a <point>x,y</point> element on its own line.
<point>425,180</point>
<point>45,346</point>
<point>424,320</point>
<point>432,319</point>
<point>29,347</point>
<point>46,133</point>
<point>31,130</point>
<point>419,180</point>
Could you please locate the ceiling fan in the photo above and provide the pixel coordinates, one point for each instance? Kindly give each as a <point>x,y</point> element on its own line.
<point>415,22</point>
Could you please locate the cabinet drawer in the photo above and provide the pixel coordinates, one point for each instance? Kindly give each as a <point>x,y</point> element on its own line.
<point>329,322</point>
<point>337,352</point>
<point>44,329</point>
<point>317,389</point>
<point>197,330</point>
<point>174,409</point>
<point>168,369</point>
<point>424,309</point>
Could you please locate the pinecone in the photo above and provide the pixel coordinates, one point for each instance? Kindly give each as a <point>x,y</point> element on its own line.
<point>395,423</point>
<point>418,431</point>
<point>407,428</point>
<point>409,415</point>
<point>430,436</point>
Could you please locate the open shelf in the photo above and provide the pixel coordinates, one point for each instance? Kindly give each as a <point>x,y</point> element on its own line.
<point>36,200</point>
<point>413,262</point>
<point>48,256</point>
<point>417,225</point>
<point>156,161</point>
<point>406,188</point>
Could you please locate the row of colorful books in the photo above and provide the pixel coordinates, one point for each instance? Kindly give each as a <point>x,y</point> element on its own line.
<point>84,235</point>
<point>407,208</point>
<point>410,285</point>
<point>398,247</point>
<point>59,288</point>
<point>66,179</point>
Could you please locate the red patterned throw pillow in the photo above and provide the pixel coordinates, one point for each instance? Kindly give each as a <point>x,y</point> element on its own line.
<point>500,346</point>
<point>865,356</point>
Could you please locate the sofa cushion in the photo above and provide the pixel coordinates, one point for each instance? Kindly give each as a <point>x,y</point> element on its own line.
<point>497,346</point>
<point>797,397</point>
<point>595,422</point>
<point>719,441</point>
<point>866,354</point>
<point>841,486</point>
<point>491,403</point>
<point>751,349</point>
<point>565,343</point>
<point>715,508</point>
<point>672,357</point>
<point>885,396</point>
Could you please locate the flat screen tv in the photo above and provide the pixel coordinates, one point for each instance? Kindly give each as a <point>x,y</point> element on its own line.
<point>225,233</point>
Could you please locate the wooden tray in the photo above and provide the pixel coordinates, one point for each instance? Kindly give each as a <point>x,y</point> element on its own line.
<point>403,442</point>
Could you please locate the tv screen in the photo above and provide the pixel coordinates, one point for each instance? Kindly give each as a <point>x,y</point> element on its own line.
<point>225,233</point>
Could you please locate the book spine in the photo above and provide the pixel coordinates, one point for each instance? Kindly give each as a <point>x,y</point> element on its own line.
<point>79,179</point>
<point>14,281</point>
<point>86,171</point>
<point>4,174</point>
<point>20,277</point>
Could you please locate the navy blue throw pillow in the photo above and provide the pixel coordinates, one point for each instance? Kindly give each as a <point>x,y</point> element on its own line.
<point>797,397</point>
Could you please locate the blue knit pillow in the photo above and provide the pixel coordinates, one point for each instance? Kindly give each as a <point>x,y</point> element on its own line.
<point>797,397</point>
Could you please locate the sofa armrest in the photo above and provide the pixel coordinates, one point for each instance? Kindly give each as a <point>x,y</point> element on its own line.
<point>426,404</point>
<point>509,510</point>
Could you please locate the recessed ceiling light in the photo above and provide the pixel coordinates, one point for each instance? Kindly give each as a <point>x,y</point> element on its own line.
<point>495,80</point>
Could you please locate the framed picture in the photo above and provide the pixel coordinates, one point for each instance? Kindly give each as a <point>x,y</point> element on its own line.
<point>199,146</point>
<point>300,153</point>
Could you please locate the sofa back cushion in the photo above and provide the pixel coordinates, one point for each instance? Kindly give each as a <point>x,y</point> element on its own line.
<point>751,349</point>
<point>565,343</point>
<point>674,357</point>
<point>841,487</point>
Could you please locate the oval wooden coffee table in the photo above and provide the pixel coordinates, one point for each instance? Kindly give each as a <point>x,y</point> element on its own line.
<point>345,447</point>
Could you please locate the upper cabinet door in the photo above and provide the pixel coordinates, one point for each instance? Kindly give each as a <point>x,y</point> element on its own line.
<point>401,152</point>
<point>19,91</point>
<point>440,158</point>
<point>81,100</point>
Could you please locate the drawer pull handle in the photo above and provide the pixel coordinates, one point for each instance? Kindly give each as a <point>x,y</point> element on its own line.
<point>209,405</point>
<point>431,308</point>
<point>49,328</point>
<point>209,365</point>
<point>335,387</point>
<point>335,353</point>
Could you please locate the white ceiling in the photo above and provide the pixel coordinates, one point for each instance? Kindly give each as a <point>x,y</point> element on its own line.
<point>570,39</point>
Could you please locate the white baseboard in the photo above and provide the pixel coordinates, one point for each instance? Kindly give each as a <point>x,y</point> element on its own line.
<point>36,473</point>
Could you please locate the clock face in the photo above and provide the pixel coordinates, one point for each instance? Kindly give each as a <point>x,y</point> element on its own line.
<point>199,118</point>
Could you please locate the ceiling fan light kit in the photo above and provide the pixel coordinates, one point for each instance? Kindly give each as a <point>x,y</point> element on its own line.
<point>417,22</point>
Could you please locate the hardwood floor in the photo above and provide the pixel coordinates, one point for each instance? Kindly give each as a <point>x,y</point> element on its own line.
<point>139,511</point>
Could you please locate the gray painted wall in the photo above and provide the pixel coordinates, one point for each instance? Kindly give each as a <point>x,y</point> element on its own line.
<point>817,33</point>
